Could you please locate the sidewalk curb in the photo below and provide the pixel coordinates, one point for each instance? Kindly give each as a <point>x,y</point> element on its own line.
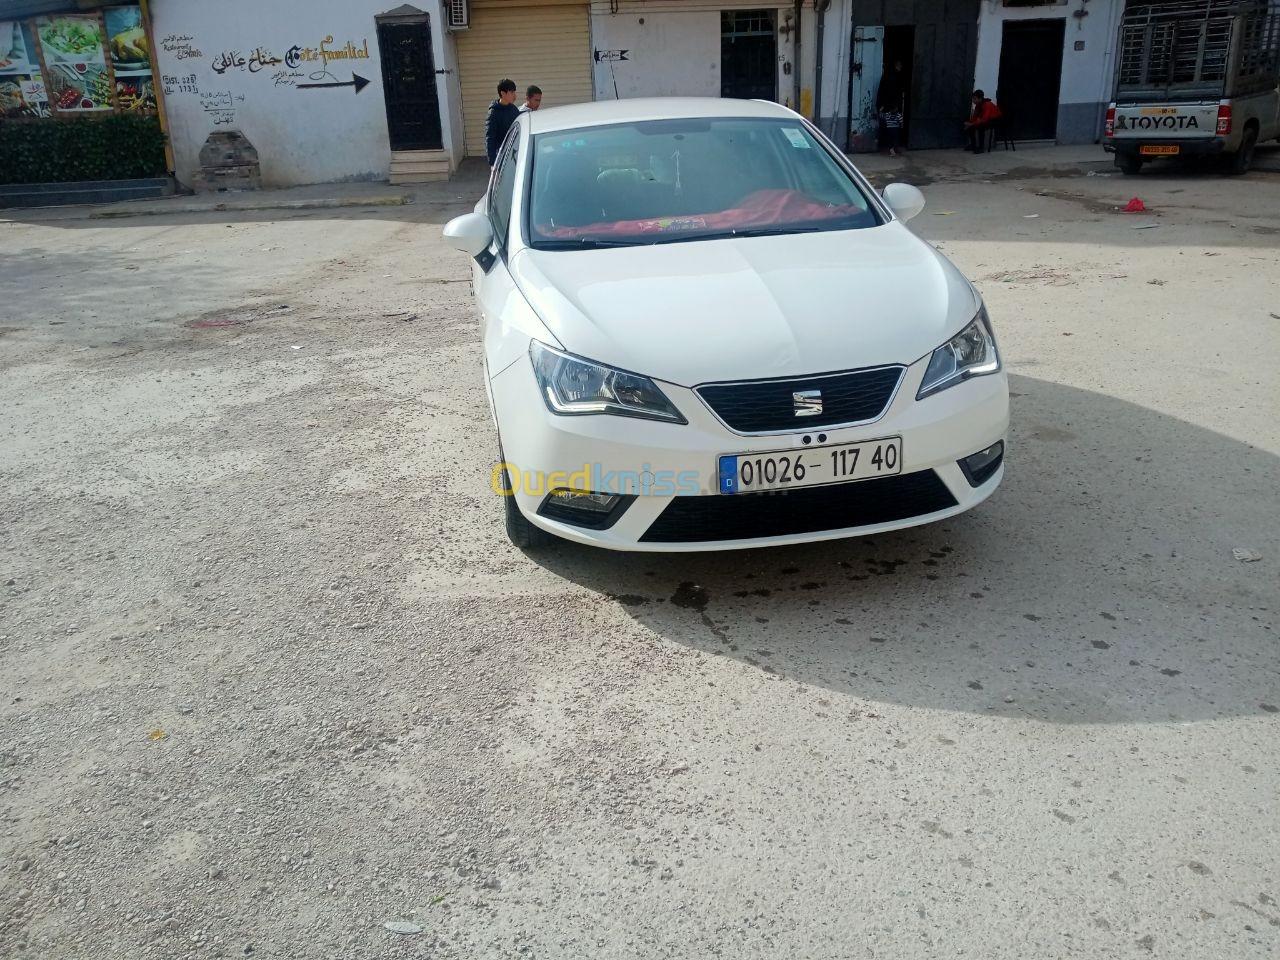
<point>396,200</point>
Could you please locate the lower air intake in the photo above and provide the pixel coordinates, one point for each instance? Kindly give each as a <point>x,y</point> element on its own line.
<point>837,506</point>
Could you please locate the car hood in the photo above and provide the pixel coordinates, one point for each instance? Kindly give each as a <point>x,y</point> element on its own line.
<point>755,307</point>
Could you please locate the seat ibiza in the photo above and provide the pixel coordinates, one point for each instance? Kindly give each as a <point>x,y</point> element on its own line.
<point>703,329</point>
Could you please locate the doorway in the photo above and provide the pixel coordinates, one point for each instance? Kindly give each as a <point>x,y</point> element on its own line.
<point>1030,76</point>
<point>748,55</point>
<point>409,83</point>
<point>943,51</point>
<point>900,45</point>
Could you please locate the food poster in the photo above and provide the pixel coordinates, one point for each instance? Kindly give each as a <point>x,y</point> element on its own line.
<point>22,91</point>
<point>76,75</point>
<point>130,59</point>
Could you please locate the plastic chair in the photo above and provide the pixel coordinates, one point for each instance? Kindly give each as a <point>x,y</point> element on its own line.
<point>998,132</point>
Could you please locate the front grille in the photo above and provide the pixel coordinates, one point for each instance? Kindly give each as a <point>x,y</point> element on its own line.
<point>769,406</point>
<point>836,506</point>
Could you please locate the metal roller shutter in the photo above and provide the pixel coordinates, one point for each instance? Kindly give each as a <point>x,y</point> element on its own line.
<point>545,45</point>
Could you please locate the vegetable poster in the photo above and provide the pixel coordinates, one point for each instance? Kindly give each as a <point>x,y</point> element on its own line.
<point>77,78</point>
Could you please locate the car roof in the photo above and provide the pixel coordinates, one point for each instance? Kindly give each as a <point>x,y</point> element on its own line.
<point>573,116</point>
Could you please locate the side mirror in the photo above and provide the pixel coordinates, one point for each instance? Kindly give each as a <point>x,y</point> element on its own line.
<point>903,199</point>
<point>471,233</point>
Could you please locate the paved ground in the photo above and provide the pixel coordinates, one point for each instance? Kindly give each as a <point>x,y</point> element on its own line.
<point>273,677</point>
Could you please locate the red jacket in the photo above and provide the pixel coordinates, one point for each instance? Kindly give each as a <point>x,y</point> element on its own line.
<point>985,112</point>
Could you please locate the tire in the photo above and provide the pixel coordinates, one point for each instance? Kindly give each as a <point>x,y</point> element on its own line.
<point>1242,159</point>
<point>1129,165</point>
<point>520,531</point>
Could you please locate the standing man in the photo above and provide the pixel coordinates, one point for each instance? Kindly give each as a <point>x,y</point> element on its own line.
<point>502,114</point>
<point>532,99</point>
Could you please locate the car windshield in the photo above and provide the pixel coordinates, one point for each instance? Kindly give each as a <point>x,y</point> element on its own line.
<point>663,181</point>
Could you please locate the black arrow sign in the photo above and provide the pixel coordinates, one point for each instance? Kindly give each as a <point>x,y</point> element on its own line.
<point>356,81</point>
<point>611,56</point>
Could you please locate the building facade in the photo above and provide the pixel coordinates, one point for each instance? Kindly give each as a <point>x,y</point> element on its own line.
<point>709,48</point>
<point>1048,63</point>
<point>343,90</point>
<point>323,90</point>
<point>1041,56</point>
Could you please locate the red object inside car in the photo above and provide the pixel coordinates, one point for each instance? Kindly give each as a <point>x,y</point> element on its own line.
<point>763,208</point>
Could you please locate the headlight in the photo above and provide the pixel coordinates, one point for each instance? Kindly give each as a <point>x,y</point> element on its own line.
<point>970,353</point>
<point>572,386</point>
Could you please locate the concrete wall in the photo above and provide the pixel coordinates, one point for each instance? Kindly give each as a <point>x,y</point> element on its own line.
<point>673,47</point>
<point>449,86</point>
<point>805,55</point>
<point>1086,74</point>
<point>670,54</point>
<point>213,81</point>
<point>833,103</point>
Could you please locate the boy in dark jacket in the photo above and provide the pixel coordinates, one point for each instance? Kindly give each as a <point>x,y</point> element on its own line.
<point>502,114</point>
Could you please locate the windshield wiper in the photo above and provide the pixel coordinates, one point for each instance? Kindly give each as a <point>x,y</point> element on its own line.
<point>774,231</point>
<point>580,243</point>
<point>593,243</point>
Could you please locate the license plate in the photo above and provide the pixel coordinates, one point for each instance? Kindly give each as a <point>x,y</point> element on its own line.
<point>1159,151</point>
<point>810,466</point>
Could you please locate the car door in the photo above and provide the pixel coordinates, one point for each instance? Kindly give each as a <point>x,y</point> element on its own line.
<point>493,283</point>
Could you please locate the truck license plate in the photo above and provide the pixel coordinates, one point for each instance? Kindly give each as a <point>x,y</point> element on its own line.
<point>1156,150</point>
<point>784,469</point>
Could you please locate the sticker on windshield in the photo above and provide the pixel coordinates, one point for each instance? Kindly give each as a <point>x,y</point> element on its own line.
<point>798,139</point>
<point>672,223</point>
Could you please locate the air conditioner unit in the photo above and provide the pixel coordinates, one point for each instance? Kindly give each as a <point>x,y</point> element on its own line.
<point>458,14</point>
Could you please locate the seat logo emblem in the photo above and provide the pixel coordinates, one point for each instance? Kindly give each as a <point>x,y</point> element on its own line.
<point>806,403</point>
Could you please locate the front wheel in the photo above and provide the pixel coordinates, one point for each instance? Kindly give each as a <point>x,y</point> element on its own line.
<point>1129,165</point>
<point>1243,158</point>
<point>520,531</point>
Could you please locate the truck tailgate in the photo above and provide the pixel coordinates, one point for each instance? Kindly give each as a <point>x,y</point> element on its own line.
<point>1180,121</point>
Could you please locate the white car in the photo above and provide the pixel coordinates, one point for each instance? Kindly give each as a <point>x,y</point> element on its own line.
<point>703,330</point>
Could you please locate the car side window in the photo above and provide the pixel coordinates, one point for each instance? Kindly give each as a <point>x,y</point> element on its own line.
<point>504,183</point>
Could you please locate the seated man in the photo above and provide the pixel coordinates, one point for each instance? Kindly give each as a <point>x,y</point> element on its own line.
<point>982,117</point>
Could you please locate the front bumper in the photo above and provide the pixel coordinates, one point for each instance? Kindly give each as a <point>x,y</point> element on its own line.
<point>1193,147</point>
<point>668,461</point>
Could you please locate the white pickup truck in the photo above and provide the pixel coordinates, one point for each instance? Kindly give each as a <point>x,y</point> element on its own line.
<point>1195,78</point>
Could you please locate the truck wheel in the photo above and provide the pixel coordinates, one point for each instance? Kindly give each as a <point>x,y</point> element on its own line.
<point>1129,165</point>
<point>1243,158</point>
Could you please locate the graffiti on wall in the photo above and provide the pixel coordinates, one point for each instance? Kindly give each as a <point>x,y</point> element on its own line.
<point>298,62</point>
<point>180,47</point>
<point>296,65</point>
<point>258,60</point>
<point>357,82</point>
<point>220,106</point>
<point>324,53</point>
<point>187,84</point>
